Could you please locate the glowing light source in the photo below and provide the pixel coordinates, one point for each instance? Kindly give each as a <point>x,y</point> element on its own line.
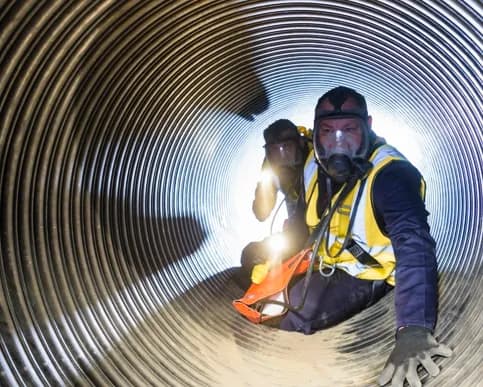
<point>266,176</point>
<point>277,243</point>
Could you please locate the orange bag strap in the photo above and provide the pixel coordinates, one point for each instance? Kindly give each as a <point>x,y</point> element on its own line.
<point>276,282</point>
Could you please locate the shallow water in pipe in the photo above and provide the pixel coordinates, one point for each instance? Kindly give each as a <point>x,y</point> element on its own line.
<point>130,146</point>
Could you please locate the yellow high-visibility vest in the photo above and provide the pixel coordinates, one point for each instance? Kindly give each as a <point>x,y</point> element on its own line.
<point>365,230</point>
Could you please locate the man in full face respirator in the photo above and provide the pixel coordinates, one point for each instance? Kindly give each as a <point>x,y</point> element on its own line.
<point>285,152</point>
<point>371,236</point>
<point>286,149</point>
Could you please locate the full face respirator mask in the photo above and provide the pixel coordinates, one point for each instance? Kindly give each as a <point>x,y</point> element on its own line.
<point>284,149</point>
<point>342,136</point>
<point>285,159</point>
<point>285,152</point>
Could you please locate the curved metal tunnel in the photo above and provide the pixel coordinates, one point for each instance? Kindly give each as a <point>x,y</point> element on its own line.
<point>130,147</point>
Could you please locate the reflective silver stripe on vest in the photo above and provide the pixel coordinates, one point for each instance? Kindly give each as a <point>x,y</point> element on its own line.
<point>356,268</point>
<point>310,171</point>
<point>385,151</point>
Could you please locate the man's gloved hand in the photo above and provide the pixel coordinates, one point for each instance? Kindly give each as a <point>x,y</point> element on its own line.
<point>259,272</point>
<point>414,346</point>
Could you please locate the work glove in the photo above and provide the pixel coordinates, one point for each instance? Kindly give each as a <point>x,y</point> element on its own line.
<point>259,272</point>
<point>414,346</point>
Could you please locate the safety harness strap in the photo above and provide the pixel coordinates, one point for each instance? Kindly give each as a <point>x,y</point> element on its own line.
<point>361,255</point>
<point>349,204</point>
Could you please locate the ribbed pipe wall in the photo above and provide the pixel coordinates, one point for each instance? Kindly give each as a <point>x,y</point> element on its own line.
<point>130,144</point>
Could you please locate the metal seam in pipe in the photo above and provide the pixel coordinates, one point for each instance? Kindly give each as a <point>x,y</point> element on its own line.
<point>130,144</point>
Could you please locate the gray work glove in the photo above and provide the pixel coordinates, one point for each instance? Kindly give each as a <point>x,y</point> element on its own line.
<point>414,346</point>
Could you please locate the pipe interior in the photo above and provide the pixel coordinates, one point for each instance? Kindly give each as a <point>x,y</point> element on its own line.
<point>130,146</point>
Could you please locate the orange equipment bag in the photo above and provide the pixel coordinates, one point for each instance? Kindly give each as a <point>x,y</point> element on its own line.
<point>255,305</point>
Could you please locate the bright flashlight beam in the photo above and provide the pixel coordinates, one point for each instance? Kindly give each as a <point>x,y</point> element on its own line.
<point>277,243</point>
<point>266,176</point>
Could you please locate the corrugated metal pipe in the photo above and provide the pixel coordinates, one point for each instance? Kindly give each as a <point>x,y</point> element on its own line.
<point>130,145</point>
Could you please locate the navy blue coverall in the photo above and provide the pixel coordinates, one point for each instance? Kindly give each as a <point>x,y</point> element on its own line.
<point>401,214</point>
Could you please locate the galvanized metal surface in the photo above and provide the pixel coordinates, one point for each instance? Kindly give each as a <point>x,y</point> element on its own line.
<point>126,131</point>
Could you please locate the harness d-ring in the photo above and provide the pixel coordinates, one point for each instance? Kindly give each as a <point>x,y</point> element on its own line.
<point>326,270</point>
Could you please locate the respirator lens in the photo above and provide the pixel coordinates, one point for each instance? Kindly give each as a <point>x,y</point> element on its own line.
<point>283,154</point>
